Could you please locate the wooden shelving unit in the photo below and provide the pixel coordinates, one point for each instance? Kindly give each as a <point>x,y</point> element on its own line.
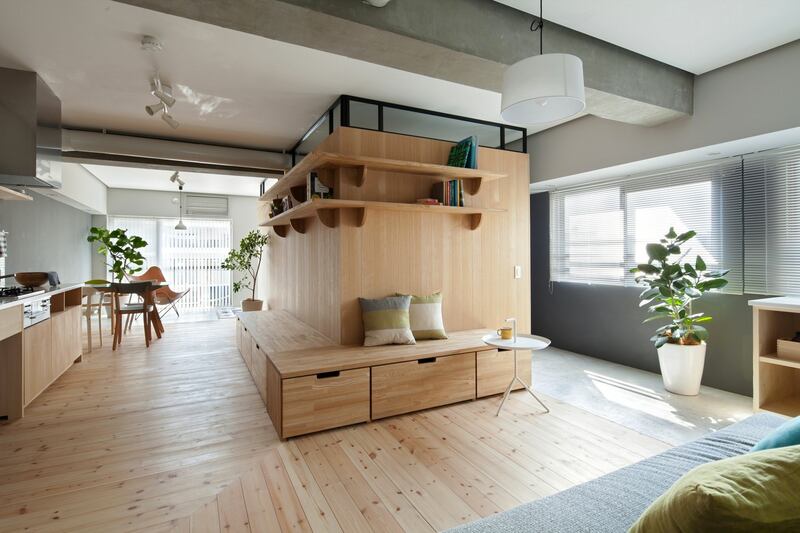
<point>776,380</point>
<point>296,177</point>
<point>325,211</point>
<point>11,194</point>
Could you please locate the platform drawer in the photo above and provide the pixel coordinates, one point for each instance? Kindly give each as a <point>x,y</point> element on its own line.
<point>496,368</point>
<point>324,401</point>
<point>427,382</point>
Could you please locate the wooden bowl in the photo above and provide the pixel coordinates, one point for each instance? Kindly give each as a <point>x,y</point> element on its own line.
<point>31,279</point>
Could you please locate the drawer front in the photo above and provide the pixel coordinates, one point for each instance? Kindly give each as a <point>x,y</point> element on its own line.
<point>239,335</point>
<point>37,359</point>
<point>496,368</point>
<point>324,401</point>
<point>10,321</point>
<point>259,370</point>
<point>246,346</point>
<point>429,382</point>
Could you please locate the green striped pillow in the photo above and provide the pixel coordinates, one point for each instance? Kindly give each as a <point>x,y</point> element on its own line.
<point>386,321</point>
<point>425,315</point>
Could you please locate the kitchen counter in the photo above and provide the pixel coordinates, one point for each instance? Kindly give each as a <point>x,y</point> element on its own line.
<point>48,291</point>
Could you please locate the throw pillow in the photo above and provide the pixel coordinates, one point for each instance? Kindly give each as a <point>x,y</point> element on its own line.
<point>425,315</point>
<point>787,434</point>
<point>386,321</point>
<point>751,492</point>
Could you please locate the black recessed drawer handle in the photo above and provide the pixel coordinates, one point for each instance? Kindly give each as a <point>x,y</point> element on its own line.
<point>258,347</point>
<point>323,375</point>
<point>426,360</point>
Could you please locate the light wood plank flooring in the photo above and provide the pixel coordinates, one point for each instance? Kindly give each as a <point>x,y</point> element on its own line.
<point>175,438</point>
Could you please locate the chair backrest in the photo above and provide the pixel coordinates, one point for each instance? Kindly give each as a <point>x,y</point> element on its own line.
<point>137,287</point>
<point>151,274</point>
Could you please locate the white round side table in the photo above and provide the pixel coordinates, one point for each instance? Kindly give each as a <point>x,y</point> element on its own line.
<point>518,342</point>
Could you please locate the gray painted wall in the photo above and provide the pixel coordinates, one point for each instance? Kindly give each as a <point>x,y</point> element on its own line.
<point>46,235</point>
<point>751,97</point>
<point>604,321</point>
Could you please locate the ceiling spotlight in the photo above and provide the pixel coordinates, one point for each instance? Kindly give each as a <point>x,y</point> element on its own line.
<point>162,91</point>
<point>176,178</point>
<point>154,108</point>
<point>166,117</point>
<point>151,44</point>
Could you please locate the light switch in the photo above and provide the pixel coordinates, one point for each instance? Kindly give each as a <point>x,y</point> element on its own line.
<point>517,271</point>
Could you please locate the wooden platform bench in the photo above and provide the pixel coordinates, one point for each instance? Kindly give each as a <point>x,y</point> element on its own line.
<point>309,383</point>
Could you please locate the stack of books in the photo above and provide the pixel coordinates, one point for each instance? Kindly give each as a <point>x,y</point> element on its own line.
<point>465,155</point>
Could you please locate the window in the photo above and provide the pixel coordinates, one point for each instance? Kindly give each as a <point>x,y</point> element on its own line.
<point>190,259</point>
<point>772,222</point>
<point>599,231</point>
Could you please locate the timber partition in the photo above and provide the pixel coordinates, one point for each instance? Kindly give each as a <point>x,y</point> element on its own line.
<point>371,240</point>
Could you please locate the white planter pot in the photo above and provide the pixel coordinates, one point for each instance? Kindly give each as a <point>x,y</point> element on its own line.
<point>682,367</point>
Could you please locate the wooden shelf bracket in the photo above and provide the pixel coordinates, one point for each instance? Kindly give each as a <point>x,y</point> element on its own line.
<point>298,224</point>
<point>327,217</point>
<point>281,231</point>
<point>475,221</point>
<point>361,216</point>
<point>472,185</point>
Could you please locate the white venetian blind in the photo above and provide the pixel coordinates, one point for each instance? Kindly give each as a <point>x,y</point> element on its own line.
<point>772,222</point>
<point>599,231</point>
<point>190,258</point>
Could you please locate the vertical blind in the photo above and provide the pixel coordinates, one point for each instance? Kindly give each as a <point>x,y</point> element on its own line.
<point>599,231</point>
<point>190,259</point>
<point>772,221</point>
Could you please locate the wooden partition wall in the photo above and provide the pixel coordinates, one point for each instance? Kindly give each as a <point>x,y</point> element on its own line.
<point>319,275</point>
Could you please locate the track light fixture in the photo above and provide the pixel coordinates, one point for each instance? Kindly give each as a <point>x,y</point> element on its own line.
<point>163,92</point>
<point>166,117</point>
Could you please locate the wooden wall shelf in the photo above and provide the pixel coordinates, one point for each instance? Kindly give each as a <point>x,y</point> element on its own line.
<point>325,210</point>
<point>296,177</point>
<point>11,194</point>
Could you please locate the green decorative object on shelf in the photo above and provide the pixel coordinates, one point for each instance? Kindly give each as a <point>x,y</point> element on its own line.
<point>120,249</point>
<point>251,249</point>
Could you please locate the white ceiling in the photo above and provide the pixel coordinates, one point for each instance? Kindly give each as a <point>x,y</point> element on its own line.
<point>694,35</point>
<point>267,92</point>
<point>117,177</point>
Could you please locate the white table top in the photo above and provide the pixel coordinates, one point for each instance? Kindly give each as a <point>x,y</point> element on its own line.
<point>781,303</point>
<point>524,342</point>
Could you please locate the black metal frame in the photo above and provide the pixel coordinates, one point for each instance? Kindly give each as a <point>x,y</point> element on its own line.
<point>343,102</point>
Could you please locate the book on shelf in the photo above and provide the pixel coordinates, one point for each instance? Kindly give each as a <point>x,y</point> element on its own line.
<point>450,193</point>
<point>464,154</point>
<point>316,189</point>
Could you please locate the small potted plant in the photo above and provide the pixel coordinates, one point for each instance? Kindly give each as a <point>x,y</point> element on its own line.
<point>673,287</point>
<point>121,250</point>
<point>247,259</point>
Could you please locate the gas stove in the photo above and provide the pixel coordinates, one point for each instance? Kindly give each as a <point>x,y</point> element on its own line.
<point>19,292</point>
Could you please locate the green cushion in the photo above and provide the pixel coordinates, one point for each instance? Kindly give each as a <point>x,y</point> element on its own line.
<point>386,321</point>
<point>752,492</point>
<point>425,314</point>
<point>787,434</point>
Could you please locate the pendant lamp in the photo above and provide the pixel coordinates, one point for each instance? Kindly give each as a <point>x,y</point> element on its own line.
<point>543,88</point>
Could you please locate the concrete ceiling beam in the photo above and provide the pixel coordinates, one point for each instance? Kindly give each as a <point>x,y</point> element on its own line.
<point>470,42</point>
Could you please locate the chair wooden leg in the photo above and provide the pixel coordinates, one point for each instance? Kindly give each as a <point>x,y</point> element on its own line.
<point>156,322</point>
<point>146,324</point>
<point>89,324</point>
<point>100,322</point>
<point>116,333</point>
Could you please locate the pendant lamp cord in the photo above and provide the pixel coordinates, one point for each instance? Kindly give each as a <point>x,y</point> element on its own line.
<point>537,25</point>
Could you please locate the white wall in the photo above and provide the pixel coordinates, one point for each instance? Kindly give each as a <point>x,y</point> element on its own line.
<point>79,189</point>
<point>752,97</point>
<point>242,211</point>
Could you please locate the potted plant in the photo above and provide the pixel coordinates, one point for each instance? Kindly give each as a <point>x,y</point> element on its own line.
<point>121,250</point>
<point>251,249</point>
<point>673,287</point>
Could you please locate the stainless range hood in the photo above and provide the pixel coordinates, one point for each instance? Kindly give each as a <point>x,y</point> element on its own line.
<point>30,131</point>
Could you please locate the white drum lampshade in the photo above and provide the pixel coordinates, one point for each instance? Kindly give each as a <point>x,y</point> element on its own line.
<point>543,88</point>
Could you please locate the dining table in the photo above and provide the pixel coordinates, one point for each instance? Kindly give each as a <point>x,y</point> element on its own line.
<point>107,288</point>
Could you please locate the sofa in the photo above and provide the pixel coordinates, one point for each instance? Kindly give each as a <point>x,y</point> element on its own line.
<point>613,502</point>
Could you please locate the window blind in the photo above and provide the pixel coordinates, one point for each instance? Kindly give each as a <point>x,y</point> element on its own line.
<point>599,231</point>
<point>772,221</point>
<point>190,259</point>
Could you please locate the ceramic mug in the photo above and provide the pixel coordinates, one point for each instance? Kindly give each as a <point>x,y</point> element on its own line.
<point>505,333</point>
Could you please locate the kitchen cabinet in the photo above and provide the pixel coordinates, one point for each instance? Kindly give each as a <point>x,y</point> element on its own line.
<point>31,359</point>
<point>37,359</point>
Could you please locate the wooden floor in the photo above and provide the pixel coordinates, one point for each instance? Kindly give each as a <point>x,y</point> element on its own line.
<point>175,438</point>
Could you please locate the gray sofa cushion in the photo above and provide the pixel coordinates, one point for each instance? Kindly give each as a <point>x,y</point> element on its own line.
<point>612,503</point>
